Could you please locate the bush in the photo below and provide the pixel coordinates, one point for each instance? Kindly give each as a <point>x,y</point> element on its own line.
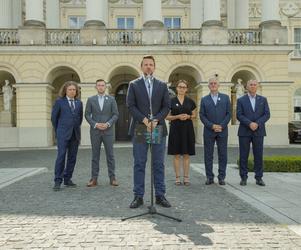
<point>278,163</point>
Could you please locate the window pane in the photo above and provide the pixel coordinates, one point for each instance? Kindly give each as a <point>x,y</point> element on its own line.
<point>177,23</point>
<point>72,22</point>
<point>121,23</point>
<point>167,23</point>
<point>297,35</point>
<point>130,23</point>
<point>81,21</point>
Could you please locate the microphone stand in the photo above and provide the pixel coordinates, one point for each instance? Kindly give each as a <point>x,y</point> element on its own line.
<point>151,208</point>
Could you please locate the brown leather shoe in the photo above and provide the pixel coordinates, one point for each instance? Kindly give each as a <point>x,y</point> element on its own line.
<point>92,183</point>
<point>114,183</point>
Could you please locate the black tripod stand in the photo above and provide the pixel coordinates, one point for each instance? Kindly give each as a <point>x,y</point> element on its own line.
<point>151,208</point>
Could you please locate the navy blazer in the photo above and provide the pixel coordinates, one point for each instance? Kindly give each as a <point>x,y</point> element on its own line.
<point>64,121</point>
<point>139,105</point>
<point>246,115</point>
<point>219,114</point>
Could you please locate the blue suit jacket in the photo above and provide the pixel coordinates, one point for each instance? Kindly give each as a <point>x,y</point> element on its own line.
<point>219,114</point>
<point>139,106</point>
<point>246,115</point>
<point>63,121</point>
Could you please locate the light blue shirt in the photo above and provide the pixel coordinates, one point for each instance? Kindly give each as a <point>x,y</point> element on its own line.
<point>252,100</point>
<point>101,99</point>
<point>149,85</point>
<point>214,98</point>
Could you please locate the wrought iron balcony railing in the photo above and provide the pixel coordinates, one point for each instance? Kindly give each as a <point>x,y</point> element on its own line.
<point>9,37</point>
<point>124,37</point>
<point>63,37</point>
<point>184,36</point>
<point>245,36</point>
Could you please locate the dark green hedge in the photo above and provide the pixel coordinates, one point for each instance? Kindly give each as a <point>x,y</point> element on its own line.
<point>278,164</point>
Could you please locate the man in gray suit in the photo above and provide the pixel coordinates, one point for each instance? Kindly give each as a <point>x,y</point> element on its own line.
<point>101,113</point>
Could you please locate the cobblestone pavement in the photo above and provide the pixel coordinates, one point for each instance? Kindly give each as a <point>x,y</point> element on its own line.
<point>32,216</point>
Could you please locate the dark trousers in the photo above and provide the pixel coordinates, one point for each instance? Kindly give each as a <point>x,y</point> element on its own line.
<point>140,157</point>
<point>221,143</point>
<point>64,169</point>
<point>244,150</point>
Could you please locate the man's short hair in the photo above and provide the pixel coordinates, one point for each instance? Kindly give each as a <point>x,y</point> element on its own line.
<point>252,80</point>
<point>148,57</point>
<point>100,80</point>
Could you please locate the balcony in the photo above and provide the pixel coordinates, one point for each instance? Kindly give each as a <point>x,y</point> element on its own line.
<point>119,37</point>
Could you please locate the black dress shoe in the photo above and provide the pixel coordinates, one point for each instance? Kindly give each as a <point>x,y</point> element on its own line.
<point>137,202</point>
<point>243,182</point>
<point>260,182</point>
<point>161,200</point>
<point>69,184</point>
<point>222,182</point>
<point>57,187</point>
<point>209,181</point>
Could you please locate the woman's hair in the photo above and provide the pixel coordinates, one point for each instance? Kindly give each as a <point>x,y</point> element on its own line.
<point>62,92</point>
<point>182,81</point>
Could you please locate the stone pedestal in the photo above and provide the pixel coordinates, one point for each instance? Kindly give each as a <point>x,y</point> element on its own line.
<point>154,35</point>
<point>32,35</point>
<point>93,35</point>
<point>273,33</point>
<point>214,34</point>
<point>6,119</point>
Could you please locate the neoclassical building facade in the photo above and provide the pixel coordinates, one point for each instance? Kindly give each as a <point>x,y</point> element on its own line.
<point>44,43</point>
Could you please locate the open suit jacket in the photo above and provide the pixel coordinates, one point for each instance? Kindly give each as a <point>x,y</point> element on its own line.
<point>94,114</point>
<point>139,104</point>
<point>64,121</point>
<point>246,115</point>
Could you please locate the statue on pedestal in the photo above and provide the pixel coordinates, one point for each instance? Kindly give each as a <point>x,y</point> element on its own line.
<point>7,96</point>
<point>240,88</point>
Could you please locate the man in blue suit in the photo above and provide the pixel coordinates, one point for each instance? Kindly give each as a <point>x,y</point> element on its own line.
<point>66,118</point>
<point>215,114</point>
<point>148,95</point>
<point>252,112</point>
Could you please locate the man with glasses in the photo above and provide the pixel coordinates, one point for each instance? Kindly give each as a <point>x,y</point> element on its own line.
<point>252,112</point>
<point>215,114</point>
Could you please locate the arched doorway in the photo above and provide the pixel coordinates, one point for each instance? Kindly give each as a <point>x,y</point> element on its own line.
<point>119,80</point>
<point>57,77</point>
<point>8,117</point>
<point>239,80</point>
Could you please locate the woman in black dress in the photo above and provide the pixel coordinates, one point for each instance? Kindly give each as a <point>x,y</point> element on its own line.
<point>181,140</point>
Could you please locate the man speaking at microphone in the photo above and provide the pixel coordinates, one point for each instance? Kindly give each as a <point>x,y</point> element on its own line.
<point>148,96</point>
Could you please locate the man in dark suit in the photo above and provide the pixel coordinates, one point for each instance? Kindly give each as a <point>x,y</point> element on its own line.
<point>252,112</point>
<point>66,118</point>
<point>215,114</point>
<point>142,92</point>
<point>102,113</point>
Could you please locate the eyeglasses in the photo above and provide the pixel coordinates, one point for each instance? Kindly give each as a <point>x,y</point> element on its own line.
<point>182,87</point>
<point>213,83</point>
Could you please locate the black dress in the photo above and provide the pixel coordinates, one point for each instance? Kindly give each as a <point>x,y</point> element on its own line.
<point>181,138</point>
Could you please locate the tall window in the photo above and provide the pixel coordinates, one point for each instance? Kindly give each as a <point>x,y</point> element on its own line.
<point>76,22</point>
<point>172,22</point>
<point>297,41</point>
<point>125,23</point>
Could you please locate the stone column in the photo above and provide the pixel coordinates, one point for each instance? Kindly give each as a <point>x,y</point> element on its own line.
<point>272,31</point>
<point>53,14</point>
<point>34,12</point>
<point>5,14</point>
<point>16,13</point>
<point>241,14</point>
<point>270,11</point>
<point>34,104</point>
<point>212,13</point>
<point>197,13</point>
<point>152,13</point>
<point>97,13</point>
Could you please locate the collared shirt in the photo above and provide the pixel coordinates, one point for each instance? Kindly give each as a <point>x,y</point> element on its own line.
<point>252,100</point>
<point>70,101</point>
<point>214,98</point>
<point>101,99</point>
<point>149,84</point>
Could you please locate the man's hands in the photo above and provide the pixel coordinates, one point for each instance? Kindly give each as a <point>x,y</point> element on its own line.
<point>253,126</point>
<point>102,126</point>
<point>217,128</point>
<point>150,125</point>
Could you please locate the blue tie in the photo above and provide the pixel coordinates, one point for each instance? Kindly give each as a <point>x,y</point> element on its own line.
<point>72,105</point>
